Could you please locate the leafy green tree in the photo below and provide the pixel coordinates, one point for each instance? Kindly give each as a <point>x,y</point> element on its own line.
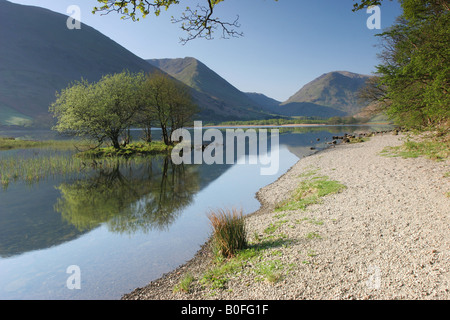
<point>366,3</point>
<point>101,111</point>
<point>412,81</point>
<point>168,102</point>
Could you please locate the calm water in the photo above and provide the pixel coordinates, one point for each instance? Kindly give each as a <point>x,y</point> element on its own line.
<point>123,226</point>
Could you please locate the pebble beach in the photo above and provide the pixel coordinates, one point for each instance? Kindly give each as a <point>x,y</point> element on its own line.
<point>385,235</point>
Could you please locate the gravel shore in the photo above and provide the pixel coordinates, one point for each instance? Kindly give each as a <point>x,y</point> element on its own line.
<point>385,236</point>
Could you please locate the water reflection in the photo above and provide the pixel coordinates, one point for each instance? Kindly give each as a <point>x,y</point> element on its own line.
<point>125,225</point>
<point>129,198</point>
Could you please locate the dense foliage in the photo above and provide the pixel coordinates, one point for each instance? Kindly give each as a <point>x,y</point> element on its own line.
<point>104,111</point>
<point>413,78</point>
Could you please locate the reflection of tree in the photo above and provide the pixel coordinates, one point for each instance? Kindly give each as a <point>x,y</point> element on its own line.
<point>129,198</point>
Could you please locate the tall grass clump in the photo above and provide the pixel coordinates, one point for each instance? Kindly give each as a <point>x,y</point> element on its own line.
<point>229,232</point>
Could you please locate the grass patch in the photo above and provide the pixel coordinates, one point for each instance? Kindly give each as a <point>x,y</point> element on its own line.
<point>437,149</point>
<point>132,149</point>
<point>256,259</point>
<point>270,271</point>
<point>274,226</point>
<point>309,192</point>
<point>311,220</point>
<point>313,235</point>
<point>8,143</point>
<point>218,276</point>
<point>184,284</point>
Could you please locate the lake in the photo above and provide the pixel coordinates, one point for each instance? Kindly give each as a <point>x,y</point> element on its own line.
<point>126,225</point>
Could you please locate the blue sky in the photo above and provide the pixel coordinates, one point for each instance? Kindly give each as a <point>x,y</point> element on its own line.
<point>286,44</point>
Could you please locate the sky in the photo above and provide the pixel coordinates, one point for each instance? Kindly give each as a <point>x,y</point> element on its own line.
<point>286,43</point>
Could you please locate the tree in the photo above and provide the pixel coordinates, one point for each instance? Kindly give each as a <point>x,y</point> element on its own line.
<point>198,23</point>
<point>366,3</point>
<point>412,81</point>
<point>167,102</point>
<point>101,111</point>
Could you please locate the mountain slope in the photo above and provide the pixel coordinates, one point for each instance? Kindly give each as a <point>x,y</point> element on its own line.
<point>337,90</point>
<point>39,55</point>
<point>219,93</point>
<point>307,109</point>
<point>264,101</point>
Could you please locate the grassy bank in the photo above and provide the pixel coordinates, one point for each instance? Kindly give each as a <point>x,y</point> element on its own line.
<point>423,145</point>
<point>261,259</point>
<point>130,150</point>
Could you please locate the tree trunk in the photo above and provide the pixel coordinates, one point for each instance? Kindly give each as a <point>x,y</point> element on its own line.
<point>165,135</point>
<point>115,141</point>
<point>147,135</point>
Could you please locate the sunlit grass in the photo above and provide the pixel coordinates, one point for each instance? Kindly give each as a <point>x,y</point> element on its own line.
<point>432,149</point>
<point>309,192</point>
<point>7,143</point>
<point>132,149</point>
<point>184,284</point>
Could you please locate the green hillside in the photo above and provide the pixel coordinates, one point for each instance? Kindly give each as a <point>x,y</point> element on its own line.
<point>217,94</point>
<point>337,90</point>
<point>39,55</point>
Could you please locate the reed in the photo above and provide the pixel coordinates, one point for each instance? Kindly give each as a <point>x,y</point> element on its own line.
<point>8,143</point>
<point>229,232</point>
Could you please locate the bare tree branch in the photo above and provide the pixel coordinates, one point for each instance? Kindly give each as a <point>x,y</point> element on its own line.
<point>198,23</point>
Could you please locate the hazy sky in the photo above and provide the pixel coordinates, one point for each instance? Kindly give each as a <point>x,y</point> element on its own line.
<point>286,44</point>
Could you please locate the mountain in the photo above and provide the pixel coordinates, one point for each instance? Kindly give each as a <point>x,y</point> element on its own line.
<point>217,96</point>
<point>264,101</point>
<point>337,90</point>
<point>308,109</point>
<point>39,55</point>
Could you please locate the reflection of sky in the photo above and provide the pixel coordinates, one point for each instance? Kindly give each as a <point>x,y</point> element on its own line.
<point>112,264</point>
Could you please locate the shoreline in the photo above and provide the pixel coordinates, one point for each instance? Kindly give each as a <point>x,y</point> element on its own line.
<point>298,125</point>
<point>364,234</point>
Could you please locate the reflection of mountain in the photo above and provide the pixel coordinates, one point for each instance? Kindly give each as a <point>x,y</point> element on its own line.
<point>129,199</point>
<point>28,222</point>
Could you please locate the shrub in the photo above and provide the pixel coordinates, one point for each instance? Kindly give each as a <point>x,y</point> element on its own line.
<point>229,233</point>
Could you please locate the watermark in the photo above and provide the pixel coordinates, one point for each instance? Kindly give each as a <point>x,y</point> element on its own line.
<point>229,149</point>
<point>74,20</point>
<point>74,280</point>
<point>374,281</point>
<point>374,21</point>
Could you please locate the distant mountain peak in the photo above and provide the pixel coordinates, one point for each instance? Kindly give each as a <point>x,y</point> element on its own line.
<point>200,77</point>
<point>336,89</point>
